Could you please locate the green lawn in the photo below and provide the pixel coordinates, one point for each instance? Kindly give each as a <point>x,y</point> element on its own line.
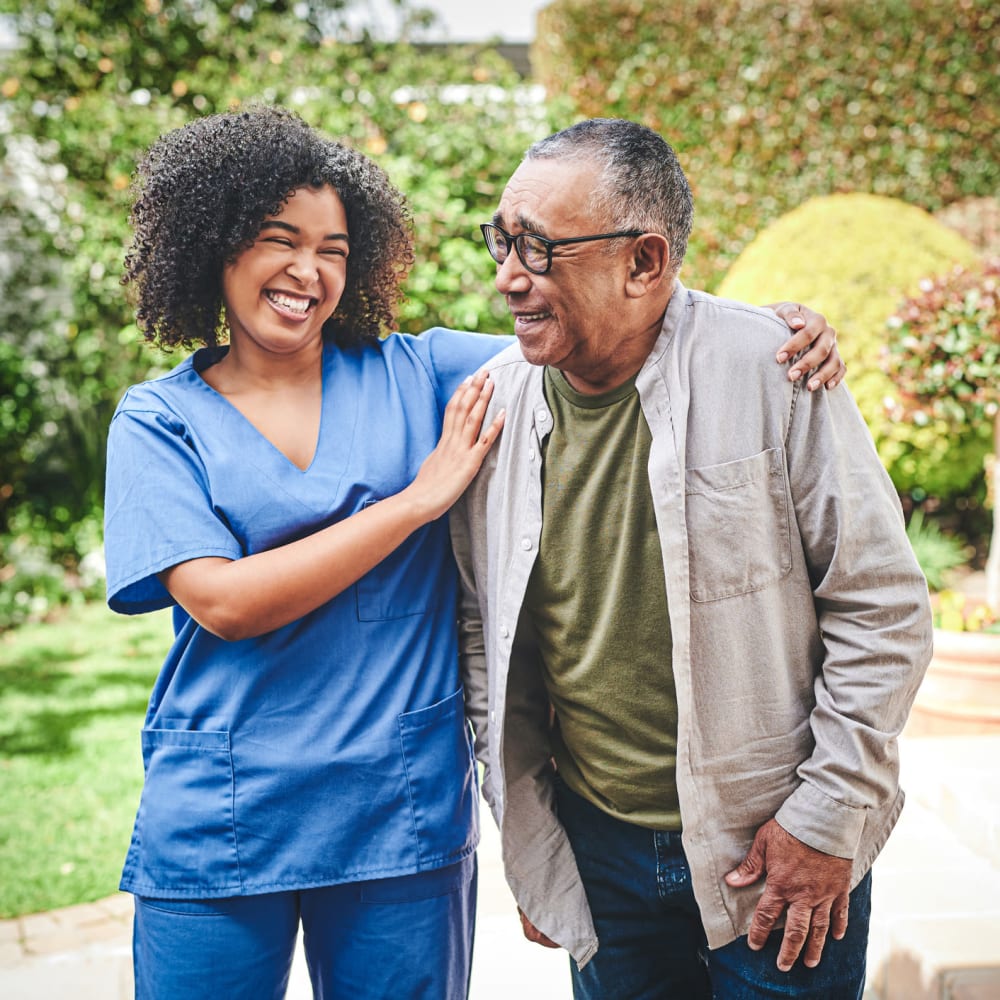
<point>73,695</point>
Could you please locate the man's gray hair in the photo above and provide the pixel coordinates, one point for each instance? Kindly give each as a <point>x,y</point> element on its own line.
<point>642,185</point>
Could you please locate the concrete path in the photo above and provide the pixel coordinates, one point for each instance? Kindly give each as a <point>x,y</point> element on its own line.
<point>936,907</point>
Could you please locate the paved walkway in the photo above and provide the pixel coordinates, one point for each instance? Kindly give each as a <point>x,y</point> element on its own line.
<point>936,908</point>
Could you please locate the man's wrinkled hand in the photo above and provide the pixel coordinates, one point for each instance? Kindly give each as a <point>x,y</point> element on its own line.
<point>813,888</point>
<point>533,934</point>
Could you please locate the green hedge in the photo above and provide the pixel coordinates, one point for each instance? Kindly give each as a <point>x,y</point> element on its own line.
<point>769,104</point>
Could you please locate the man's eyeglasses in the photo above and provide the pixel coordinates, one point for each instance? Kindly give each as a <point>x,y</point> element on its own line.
<point>535,252</point>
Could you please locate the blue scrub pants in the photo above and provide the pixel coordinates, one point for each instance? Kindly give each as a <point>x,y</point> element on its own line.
<point>652,944</point>
<point>386,938</point>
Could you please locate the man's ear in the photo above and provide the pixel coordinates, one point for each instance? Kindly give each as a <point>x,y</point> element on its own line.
<point>649,266</point>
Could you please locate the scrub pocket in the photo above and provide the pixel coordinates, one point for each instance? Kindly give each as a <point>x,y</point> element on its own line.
<point>440,773</point>
<point>738,527</point>
<point>185,834</point>
<point>397,586</point>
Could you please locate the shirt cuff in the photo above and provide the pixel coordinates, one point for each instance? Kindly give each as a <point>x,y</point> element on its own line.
<point>821,822</point>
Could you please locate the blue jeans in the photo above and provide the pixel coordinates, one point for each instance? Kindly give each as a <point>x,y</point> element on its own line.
<point>652,944</point>
<point>386,938</point>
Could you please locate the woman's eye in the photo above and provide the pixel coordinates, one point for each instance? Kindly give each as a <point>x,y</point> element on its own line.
<point>278,240</point>
<point>334,252</point>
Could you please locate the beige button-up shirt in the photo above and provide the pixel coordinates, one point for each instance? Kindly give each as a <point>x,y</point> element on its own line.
<point>800,618</point>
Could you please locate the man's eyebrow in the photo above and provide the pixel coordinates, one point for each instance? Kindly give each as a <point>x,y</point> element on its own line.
<point>525,224</point>
<point>288,227</point>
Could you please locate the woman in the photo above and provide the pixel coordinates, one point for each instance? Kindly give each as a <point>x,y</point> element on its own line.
<point>305,747</point>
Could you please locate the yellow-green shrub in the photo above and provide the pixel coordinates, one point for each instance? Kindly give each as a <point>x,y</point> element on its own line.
<point>854,257</point>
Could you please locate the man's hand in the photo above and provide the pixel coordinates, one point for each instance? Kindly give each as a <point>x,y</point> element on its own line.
<point>533,934</point>
<point>814,887</point>
<point>810,328</point>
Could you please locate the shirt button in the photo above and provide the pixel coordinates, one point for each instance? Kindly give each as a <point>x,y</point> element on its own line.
<point>542,416</point>
<point>493,716</point>
<point>526,544</point>
<point>531,454</point>
<point>503,631</point>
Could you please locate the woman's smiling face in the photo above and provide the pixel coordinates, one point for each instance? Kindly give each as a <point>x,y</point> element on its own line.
<point>279,292</point>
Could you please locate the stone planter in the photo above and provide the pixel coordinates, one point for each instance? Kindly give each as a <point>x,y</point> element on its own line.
<point>960,693</point>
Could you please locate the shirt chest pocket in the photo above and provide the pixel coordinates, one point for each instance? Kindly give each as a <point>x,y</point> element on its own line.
<point>738,526</point>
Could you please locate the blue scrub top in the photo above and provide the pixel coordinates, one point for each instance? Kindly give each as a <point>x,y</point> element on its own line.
<point>335,748</point>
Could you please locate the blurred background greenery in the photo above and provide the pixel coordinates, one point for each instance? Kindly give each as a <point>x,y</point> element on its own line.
<point>842,153</point>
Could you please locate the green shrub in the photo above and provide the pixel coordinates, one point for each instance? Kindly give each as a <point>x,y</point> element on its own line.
<point>937,552</point>
<point>854,257</point>
<point>769,104</point>
<point>48,560</point>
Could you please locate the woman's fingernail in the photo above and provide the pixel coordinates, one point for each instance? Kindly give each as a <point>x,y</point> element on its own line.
<point>795,374</point>
<point>782,357</point>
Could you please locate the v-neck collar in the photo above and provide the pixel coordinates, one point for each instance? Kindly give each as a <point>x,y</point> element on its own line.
<point>205,357</point>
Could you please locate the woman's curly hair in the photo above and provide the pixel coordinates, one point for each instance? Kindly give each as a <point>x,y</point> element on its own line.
<point>202,193</point>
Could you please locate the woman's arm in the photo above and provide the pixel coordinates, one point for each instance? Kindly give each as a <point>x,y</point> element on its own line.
<point>238,599</point>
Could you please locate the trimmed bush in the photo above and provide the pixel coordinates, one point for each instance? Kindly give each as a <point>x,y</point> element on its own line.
<point>854,257</point>
<point>769,104</point>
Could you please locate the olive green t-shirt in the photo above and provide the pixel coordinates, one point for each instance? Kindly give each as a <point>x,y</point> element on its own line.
<point>597,600</point>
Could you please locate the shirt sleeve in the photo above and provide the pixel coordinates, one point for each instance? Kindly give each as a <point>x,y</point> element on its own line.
<point>874,614</point>
<point>451,355</point>
<point>158,507</point>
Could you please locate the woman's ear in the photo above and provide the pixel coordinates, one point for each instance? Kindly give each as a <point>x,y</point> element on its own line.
<point>649,266</point>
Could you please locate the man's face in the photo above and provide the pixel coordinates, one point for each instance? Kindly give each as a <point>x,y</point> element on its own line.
<point>572,317</point>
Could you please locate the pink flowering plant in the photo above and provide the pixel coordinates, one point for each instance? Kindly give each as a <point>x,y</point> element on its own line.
<point>944,349</point>
<point>944,357</point>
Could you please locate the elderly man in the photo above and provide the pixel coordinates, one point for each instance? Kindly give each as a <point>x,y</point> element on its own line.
<point>693,625</point>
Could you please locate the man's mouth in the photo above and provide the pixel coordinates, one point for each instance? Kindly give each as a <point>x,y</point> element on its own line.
<point>523,320</point>
<point>297,305</point>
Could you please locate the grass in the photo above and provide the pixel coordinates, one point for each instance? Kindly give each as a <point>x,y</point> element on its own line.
<point>73,696</point>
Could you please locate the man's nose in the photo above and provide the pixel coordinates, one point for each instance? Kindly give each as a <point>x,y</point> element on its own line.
<point>512,275</point>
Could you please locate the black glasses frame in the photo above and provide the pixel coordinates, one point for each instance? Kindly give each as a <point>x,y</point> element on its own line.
<point>491,231</point>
